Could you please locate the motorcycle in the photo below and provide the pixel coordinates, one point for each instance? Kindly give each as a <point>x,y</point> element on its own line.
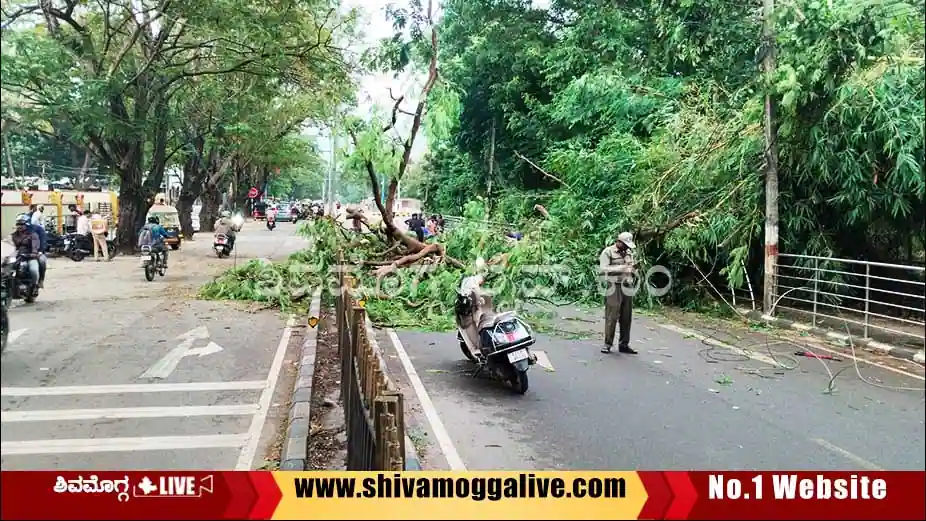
<point>497,342</point>
<point>77,246</point>
<point>17,282</point>
<point>238,222</point>
<point>153,263</point>
<point>271,223</point>
<point>222,245</point>
<point>6,282</point>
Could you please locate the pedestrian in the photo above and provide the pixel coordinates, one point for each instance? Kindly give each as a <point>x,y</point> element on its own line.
<point>83,224</point>
<point>98,232</point>
<point>616,264</point>
<point>416,224</point>
<point>38,216</point>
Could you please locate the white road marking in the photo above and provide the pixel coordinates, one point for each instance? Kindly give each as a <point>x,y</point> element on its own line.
<point>16,334</point>
<point>91,445</point>
<point>249,451</point>
<point>437,426</point>
<point>759,357</point>
<point>768,360</point>
<point>858,460</point>
<point>247,385</point>
<point>543,360</point>
<point>166,365</point>
<point>128,412</point>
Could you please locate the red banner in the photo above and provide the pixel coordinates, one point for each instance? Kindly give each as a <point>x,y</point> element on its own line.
<point>784,495</point>
<point>326,495</point>
<point>139,495</point>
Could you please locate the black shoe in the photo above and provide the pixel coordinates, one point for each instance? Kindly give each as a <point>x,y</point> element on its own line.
<point>41,284</point>
<point>626,350</point>
<point>606,349</point>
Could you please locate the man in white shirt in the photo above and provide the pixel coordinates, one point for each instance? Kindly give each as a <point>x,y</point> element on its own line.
<point>38,217</point>
<point>83,224</point>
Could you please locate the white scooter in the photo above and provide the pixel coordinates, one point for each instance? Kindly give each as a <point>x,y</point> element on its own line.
<point>498,342</point>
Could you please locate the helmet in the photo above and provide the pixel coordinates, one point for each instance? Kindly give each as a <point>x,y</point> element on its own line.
<point>22,219</point>
<point>226,214</point>
<point>154,220</point>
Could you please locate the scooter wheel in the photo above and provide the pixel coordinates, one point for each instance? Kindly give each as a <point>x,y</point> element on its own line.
<point>466,353</point>
<point>149,273</point>
<point>519,381</point>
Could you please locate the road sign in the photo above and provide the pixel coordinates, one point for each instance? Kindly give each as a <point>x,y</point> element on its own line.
<point>166,365</point>
<point>252,193</point>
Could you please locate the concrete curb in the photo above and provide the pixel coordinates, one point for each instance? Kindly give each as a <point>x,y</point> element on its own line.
<point>412,461</point>
<point>294,455</point>
<point>906,353</point>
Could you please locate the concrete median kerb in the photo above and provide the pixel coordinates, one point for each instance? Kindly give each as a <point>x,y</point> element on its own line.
<point>294,454</point>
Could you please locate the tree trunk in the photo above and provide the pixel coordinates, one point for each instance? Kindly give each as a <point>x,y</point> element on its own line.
<point>185,212</point>
<point>211,199</point>
<point>133,209</point>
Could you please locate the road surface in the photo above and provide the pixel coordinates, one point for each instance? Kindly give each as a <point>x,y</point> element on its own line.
<point>108,371</point>
<point>681,403</point>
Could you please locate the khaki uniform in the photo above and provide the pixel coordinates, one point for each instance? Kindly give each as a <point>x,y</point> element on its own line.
<point>98,232</point>
<point>616,266</point>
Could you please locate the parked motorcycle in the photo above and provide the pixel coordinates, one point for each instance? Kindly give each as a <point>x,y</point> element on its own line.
<point>17,282</point>
<point>222,245</point>
<point>497,342</point>
<point>54,242</point>
<point>77,247</point>
<point>153,263</point>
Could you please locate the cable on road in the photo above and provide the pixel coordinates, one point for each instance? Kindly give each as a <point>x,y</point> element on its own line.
<point>785,360</point>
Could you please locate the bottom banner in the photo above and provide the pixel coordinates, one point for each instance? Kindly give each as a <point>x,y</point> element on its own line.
<point>471,495</point>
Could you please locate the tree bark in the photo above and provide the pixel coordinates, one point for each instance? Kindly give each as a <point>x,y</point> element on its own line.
<point>211,199</point>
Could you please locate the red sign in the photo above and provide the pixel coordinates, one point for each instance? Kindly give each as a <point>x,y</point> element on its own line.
<point>252,193</point>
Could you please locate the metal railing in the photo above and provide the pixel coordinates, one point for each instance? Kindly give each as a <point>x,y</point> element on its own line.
<point>374,409</point>
<point>874,299</point>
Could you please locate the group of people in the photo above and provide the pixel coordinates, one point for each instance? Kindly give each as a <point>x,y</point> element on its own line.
<point>30,238</point>
<point>425,229</point>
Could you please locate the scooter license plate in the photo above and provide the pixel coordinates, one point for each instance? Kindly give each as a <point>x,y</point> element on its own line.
<point>517,356</point>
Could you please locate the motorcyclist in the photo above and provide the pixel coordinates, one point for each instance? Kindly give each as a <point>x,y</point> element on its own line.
<point>27,244</point>
<point>224,225</point>
<point>157,235</point>
<point>41,233</point>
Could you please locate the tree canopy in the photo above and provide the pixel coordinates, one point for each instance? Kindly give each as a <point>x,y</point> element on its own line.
<point>213,88</point>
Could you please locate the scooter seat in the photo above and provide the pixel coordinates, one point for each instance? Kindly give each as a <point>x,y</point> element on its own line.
<point>490,321</point>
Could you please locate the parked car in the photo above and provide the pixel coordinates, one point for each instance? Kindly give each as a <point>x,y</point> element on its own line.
<point>284,212</point>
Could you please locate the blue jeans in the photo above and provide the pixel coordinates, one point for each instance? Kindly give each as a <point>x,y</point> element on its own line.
<point>33,266</point>
<point>43,265</point>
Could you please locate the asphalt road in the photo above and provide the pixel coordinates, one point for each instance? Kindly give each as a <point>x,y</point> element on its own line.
<point>109,371</point>
<point>678,404</point>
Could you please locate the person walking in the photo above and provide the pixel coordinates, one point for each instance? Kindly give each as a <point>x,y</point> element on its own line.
<point>98,232</point>
<point>616,264</point>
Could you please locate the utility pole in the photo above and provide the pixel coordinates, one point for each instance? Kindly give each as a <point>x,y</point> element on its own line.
<point>771,160</point>
<point>329,202</point>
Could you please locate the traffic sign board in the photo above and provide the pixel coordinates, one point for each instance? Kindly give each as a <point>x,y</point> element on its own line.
<point>252,193</point>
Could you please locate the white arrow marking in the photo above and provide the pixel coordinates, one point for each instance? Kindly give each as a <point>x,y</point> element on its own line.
<point>16,334</point>
<point>543,360</point>
<point>210,349</point>
<point>165,366</point>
